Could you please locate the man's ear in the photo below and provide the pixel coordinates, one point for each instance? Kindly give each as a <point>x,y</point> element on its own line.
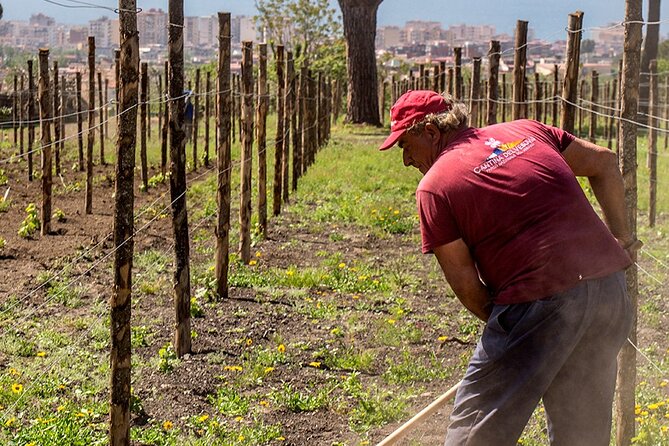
<point>433,132</point>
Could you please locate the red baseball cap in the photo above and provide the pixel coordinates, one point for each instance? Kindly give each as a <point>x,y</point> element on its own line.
<point>411,107</point>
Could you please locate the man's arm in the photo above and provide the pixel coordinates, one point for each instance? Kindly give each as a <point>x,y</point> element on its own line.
<point>600,165</point>
<point>460,271</point>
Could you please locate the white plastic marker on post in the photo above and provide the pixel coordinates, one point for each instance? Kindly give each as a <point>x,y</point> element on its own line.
<point>429,410</point>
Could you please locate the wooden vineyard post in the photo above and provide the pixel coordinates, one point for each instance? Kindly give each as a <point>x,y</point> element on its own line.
<point>46,113</point>
<point>261,138</point>
<point>31,119</point>
<point>570,83</point>
<point>117,74</point>
<point>442,77</point>
<point>160,103</point>
<point>313,121</point>
<point>15,110</point>
<point>652,144</point>
<point>493,75</point>
<point>474,106</point>
<point>103,161</point>
<point>279,139</point>
<point>538,97</point>
<point>289,115</point>
<point>196,116</point>
<point>80,123</point>
<point>665,111</point>
<point>619,106</point>
<point>63,103</point>
<point>233,105</point>
<point>625,400</point>
<point>148,107</point>
<point>182,336</point>
<point>556,92</point>
<point>297,129</point>
<point>449,81</point>
<point>580,111</point>
<point>303,125</point>
<point>166,120</point>
<point>458,73</point>
<point>612,114</point>
<point>106,107</point>
<point>57,112</point>
<point>22,117</point>
<point>246,137</point>
<point>121,300</point>
<point>143,82</point>
<point>519,62</point>
<point>504,97</point>
<point>207,117</point>
<point>223,160</point>
<point>594,97</point>
<point>88,203</point>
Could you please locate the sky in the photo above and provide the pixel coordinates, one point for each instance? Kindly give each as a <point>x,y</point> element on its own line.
<point>548,18</point>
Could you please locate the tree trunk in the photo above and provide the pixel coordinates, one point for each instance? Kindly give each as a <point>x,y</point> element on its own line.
<point>359,17</point>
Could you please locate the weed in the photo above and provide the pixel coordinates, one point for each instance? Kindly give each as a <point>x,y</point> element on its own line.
<point>345,359</point>
<point>31,223</point>
<point>230,402</point>
<point>297,401</point>
<point>59,215</point>
<point>167,358</point>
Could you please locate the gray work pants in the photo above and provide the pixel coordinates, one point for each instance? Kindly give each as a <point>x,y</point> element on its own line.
<point>561,349</point>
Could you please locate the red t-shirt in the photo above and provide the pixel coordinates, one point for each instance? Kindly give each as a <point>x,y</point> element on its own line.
<point>508,193</point>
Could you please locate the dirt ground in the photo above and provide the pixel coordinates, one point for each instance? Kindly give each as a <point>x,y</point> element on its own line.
<point>182,393</point>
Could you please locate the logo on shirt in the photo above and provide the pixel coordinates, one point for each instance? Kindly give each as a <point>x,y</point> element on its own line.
<point>502,153</point>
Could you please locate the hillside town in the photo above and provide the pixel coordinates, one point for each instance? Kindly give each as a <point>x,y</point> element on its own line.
<point>415,42</point>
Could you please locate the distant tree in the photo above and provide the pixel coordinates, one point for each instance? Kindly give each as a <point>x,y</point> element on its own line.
<point>360,33</point>
<point>587,46</point>
<point>0,11</point>
<point>304,26</point>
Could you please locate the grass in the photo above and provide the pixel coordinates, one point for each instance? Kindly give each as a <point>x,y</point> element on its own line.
<point>373,325</point>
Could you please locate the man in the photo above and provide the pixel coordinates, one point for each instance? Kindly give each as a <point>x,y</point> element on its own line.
<point>523,249</point>
<point>188,116</point>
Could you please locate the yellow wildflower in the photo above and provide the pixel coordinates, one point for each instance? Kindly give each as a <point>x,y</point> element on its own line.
<point>10,422</point>
<point>281,348</point>
<point>240,438</point>
<point>391,321</point>
<point>269,369</point>
<point>290,273</point>
<point>442,338</point>
<point>202,418</point>
<point>342,265</point>
<point>60,408</point>
<point>167,425</point>
<point>239,419</point>
<point>664,429</point>
<point>17,388</point>
<point>664,383</point>
<point>653,406</point>
<point>13,371</point>
<point>233,368</point>
<point>41,354</point>
<point>249,342</point>
<point>315,364</point>
<point>281,438</point>
<point>258,254</point>
<point>396,212</point>
<point>253,262</point>
<point>264,403</point>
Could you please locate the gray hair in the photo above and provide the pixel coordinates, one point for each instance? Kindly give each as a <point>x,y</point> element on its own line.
<point>455,118</point>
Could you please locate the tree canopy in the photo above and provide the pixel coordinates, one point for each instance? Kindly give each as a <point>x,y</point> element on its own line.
<point>307,27</point>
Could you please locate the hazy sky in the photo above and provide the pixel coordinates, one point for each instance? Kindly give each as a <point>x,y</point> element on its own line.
<point>548,18</point>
